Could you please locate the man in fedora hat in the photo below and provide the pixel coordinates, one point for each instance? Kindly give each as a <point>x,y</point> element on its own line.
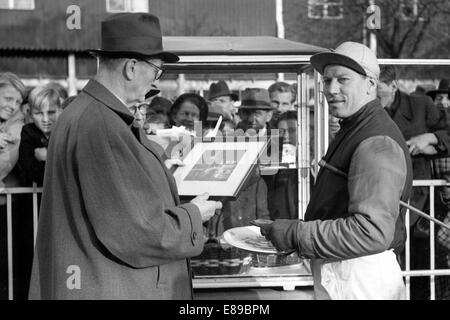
<point>353,223</point>
<point>111,224</point>
<point>221,97</point>
<point>441,96</point>
<point>255,111</point>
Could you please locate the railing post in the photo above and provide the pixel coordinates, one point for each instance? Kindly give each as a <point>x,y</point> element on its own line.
<point>432,248</point>
<point>10,246</point>
<point>35,213</point>
<point>407,257</point>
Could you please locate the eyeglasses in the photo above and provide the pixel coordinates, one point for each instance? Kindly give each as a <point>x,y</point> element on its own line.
<point>159,71</point>
<point>142,109</point>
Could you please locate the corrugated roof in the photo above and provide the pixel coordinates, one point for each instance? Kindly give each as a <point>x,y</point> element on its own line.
<point>45,27</point>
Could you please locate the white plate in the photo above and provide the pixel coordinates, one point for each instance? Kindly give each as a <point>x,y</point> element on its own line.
<point>250,239</point>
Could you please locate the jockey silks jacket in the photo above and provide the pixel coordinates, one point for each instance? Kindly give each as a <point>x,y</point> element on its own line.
<point>359,215</point>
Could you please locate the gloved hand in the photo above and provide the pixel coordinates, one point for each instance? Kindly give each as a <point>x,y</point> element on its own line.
<point>282,233</point>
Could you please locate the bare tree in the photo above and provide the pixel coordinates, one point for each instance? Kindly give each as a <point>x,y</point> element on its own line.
<point>409,28</point>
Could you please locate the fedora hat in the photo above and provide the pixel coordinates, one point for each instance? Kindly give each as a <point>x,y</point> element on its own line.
<point>220,89</point>
<point>133,35</point>
<point>352,55</point>
<point>256,99</point>
<point>443,87</point>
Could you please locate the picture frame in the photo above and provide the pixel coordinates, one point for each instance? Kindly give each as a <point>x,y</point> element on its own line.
<point>218,168</point>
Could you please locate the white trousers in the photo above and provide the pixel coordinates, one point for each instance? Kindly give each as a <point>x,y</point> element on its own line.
<point>373,277</point>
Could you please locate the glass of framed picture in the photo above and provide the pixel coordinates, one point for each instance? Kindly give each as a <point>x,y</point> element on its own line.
<point>218,168</point>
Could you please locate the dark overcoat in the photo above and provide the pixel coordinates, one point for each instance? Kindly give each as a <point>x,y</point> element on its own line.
<point>110,226</point>
<point>416,115</point>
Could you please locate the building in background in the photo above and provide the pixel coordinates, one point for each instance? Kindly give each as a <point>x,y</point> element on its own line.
<point>38,45</point>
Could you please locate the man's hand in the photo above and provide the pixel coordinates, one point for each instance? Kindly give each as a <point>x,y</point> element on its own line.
<point>5,138</point>
<point>40,154</point>
<point>420,144</point>
<point>430,150</point>
<point>207,208</point>
<point>282,233</point>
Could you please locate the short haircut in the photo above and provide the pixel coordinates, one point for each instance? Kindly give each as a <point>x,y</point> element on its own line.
<point>62,91</point>
<point>44,94</point>
<point>113,61</point>
<point>194,98</point>
<point>387,74</point>
<point>109,61</point>
<point>283,87</point>
<point>10,79</point>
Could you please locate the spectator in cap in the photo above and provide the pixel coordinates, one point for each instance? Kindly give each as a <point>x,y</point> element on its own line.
<point>441,96</point>
<point>187,109</point>
<point>221,97</point>
<point>353,223</point>
<point>110,214</point>
<point>255,110</point>
<point>426,131</point>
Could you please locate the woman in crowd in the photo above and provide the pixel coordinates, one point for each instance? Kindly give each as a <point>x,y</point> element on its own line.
<point>187,109</point>
<point>12,94</point>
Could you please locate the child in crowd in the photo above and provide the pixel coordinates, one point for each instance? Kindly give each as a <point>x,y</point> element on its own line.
<point>45,108</point>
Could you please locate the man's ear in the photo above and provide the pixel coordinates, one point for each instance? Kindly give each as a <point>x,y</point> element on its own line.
<point>269,115</point>
<point>129,69</point>
<point>394,85</point>
<point>371,85</point>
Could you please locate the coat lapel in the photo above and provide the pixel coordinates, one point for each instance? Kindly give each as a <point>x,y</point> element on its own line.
<point>157,151</point>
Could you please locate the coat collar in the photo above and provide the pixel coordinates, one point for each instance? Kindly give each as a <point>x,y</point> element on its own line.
<point>349,124</point>
<point>402,105</point>
<point>106,97</point>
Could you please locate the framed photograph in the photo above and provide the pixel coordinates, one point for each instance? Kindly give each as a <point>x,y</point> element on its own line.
<point>218,168</point>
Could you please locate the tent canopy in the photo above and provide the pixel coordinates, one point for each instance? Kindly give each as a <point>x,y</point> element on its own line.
<point>237,46</point>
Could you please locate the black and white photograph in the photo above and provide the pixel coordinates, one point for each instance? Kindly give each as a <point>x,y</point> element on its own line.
<point>225,156</point>
<point>215,165</point>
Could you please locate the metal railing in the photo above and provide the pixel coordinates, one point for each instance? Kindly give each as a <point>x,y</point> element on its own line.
<point>432,272</point>
<point>9,229</point>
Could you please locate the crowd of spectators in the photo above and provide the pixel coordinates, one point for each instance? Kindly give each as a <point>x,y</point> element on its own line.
<point>27,117</point>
